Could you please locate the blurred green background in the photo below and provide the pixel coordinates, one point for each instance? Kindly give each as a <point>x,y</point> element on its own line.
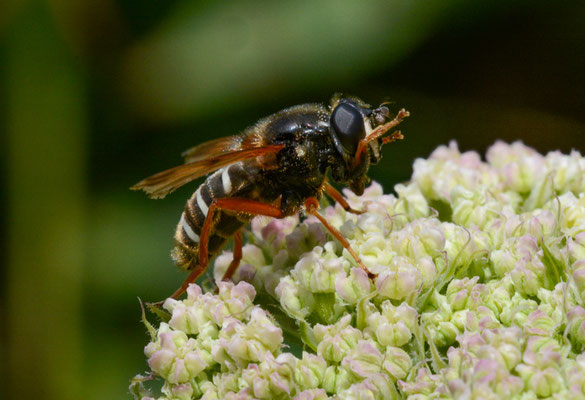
<point>96,95</point>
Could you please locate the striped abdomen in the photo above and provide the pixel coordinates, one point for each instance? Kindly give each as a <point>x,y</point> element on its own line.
<point>235,180</point>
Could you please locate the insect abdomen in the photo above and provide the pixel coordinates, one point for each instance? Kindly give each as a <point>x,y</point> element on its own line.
<point>231,181</point>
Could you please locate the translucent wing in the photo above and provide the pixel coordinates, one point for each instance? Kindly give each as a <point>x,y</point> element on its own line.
<point>159,185</point>
<point>215,147</point>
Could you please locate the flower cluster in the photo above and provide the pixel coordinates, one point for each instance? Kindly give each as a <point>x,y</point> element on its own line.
<point>480,293</point>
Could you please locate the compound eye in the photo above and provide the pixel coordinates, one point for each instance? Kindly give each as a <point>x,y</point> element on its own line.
<point>348,124</point>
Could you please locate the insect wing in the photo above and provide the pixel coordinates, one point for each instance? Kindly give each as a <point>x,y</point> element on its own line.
<point>216,146</point>
<point>159,185</point>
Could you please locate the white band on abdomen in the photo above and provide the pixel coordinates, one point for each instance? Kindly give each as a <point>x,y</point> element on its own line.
<point>226,181</point>
<point>187,228</point>
<point>202,206</point>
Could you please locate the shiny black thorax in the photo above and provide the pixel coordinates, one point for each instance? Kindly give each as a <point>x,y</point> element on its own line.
<point>303,163</point>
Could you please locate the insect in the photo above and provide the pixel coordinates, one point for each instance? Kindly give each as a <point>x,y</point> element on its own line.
<point>276,168</point>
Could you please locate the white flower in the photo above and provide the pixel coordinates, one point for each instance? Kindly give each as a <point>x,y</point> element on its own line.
<point>480,293</point>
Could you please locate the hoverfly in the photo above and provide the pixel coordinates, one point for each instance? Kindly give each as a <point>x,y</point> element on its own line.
<point>276,168</point>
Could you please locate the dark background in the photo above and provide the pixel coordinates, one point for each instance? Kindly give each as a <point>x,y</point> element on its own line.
<point>96,95</point>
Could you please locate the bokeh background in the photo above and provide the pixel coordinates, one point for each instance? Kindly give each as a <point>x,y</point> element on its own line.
<point>95,95</point>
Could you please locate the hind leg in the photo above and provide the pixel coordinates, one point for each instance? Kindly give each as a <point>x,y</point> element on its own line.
<point>232,204</point>
<point>196,273</point>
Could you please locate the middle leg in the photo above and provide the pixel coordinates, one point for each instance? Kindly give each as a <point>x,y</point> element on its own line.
<point>237,257</point>
<point>335,195</point>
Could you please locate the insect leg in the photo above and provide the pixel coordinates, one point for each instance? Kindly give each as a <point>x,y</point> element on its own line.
<point>335,195</point>
<point>312,205</point>
<point>379,132</point>
<point>196,273</point>
<point>232,204</point>
<point>237,257</point>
